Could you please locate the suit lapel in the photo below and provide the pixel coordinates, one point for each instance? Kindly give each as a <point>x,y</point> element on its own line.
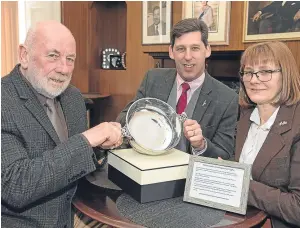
<point>36,109</point>
<point>68,110</point>
<point>242,129</point>
<point>203,99</point>
<point>166,86</point>
<point>33,104</point>
<point>271,146</point>
<point>274,141</point>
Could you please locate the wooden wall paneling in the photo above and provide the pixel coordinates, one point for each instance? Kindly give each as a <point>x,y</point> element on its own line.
<point>75,15</point>
<point>235,35</point>
<point>295,48</point>
<point>95,81</point>
<point>235,30</point>
<point>123,84</point>
<point>108,29</point>
<point>95,37</point>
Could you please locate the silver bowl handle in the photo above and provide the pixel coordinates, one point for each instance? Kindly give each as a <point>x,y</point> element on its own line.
<point>125,132</point>
<point>182,117</point>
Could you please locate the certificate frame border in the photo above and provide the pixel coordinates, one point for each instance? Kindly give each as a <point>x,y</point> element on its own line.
<point>242,209</point>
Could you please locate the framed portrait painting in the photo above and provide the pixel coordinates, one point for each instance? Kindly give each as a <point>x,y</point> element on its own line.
<point>216,15</point>
<point>269,20</point>
<point>156,22</point>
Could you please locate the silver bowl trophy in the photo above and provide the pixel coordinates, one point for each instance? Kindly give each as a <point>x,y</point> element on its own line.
<point>152,126</point>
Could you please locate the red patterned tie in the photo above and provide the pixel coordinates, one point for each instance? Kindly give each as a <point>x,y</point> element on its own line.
<point>182,102</point>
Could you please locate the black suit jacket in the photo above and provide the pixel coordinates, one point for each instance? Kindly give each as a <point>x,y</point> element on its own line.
<point>151,29</point>
<point>39,173</point>
<point>216,109</point>
<point>287,11</point>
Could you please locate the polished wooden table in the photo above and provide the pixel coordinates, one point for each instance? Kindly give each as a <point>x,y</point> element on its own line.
<point>100,204</point>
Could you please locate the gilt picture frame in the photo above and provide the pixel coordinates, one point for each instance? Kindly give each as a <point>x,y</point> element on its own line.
<point>216,14</point>
<point>156,22</point>
<point>271,20</point>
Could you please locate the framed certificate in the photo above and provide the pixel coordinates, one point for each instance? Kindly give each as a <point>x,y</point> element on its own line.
<point>217,183</point>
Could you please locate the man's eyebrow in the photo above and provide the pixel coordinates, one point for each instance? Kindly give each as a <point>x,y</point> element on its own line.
<point>179,45</point>
<point>192,45</point>
<point>54,50</point>
<point>72,55</point>
<point>57,52</point>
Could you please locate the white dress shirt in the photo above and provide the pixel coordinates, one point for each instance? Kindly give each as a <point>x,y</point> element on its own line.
<point>257,134</point>
<point>159,28</point>
<point>195,84</point>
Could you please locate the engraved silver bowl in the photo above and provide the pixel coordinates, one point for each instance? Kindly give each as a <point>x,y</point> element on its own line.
<point>153,126</point>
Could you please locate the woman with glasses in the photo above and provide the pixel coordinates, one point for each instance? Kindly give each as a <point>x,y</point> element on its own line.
<point>268,134</point>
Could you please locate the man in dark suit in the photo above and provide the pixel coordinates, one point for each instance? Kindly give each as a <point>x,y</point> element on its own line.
<point>158,27</point>
<point>278,17</point>
<point>45,144</point>
<point>211,106</point>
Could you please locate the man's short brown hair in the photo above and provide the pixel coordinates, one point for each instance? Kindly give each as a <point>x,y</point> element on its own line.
<point>189,25</point>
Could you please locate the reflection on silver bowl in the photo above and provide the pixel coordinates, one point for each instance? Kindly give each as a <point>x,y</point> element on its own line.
<point>153,125</point>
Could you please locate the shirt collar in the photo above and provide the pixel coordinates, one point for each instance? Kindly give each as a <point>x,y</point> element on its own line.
<point>256,119</point>
<point>195,84</point>
<point>43,99</point>
<point>158,26</point>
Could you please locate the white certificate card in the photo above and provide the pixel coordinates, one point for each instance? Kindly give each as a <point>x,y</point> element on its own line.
<point>217,183</point>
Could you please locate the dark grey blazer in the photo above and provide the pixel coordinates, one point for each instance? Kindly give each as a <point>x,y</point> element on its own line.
<point>38,172</point>
<point>216,109</point>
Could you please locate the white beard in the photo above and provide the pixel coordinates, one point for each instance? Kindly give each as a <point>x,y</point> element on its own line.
<point>42,84</point>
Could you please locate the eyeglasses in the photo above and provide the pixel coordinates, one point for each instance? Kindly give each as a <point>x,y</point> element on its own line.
<point>262,75</point>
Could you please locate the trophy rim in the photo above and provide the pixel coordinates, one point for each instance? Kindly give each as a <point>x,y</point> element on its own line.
<point>150,151</point>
